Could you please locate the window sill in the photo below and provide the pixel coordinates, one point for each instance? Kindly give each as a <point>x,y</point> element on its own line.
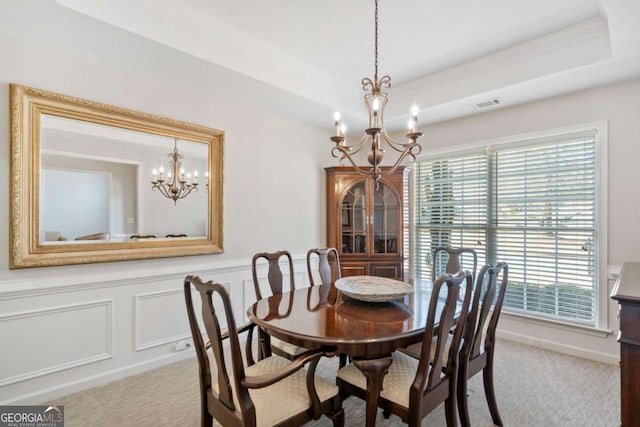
<point>552,323</point>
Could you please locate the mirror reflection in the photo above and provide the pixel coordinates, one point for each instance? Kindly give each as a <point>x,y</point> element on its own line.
<point>97,184</point>
<point>92,182</point>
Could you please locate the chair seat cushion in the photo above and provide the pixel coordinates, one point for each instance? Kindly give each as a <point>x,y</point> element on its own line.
<point>286,347</point>
<point>414,350</point>
<point>282,400</point>
<point>396,383</point>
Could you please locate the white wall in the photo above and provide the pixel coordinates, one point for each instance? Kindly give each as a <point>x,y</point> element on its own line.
<point>76,203</point>
<point>66,328</point>
<point>619,104</point>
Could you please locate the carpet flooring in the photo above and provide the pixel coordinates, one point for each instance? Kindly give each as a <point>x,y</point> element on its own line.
<point>534,387</point>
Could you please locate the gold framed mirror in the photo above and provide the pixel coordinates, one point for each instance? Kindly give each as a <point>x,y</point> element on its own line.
<point>91,182</point>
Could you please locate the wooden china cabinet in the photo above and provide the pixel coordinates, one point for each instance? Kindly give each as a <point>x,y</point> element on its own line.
<point>365,223</point>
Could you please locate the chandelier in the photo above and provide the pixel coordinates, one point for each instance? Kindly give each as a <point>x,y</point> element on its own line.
<point>376,135</point>
<point>177,185</point>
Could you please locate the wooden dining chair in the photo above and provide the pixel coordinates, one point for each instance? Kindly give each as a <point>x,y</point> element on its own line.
<point>267,344</point>
<point>414,387</point>
<point>328,265</point>
<point>479,338</point>
<point>274,275</point>
<point>273,391</point>
<point>451,260</point>
<point>329,272</point>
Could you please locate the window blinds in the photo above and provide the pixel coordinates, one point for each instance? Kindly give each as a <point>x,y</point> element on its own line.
<point>450,207</point>
<point>531,205</point>
<point>544,226</point>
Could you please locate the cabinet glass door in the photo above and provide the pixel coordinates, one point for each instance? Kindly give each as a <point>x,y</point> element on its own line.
<point>354,220</point>
<point>386,211</point>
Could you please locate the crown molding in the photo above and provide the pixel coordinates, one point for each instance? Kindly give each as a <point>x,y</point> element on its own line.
<point>206,37</point>
<point>579,45</point>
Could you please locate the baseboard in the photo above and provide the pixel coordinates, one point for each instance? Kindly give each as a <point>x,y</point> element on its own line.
<point>559,348</point>
<point>52,393</point>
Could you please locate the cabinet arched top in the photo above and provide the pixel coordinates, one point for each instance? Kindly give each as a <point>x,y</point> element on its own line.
<point>345,178</point>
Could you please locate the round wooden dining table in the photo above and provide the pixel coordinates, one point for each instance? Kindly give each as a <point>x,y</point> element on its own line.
<point>367,332</point>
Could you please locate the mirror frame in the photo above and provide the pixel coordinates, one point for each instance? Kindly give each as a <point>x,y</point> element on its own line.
<point>27,104</point>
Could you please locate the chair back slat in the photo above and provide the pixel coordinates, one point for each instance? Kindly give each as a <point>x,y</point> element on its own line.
<point>274,274</point>
<point>328,265</point>
<point>453,261</point>
<point>488,297</point>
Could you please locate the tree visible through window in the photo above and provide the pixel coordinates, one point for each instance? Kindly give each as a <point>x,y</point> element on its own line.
<point>533,206</point>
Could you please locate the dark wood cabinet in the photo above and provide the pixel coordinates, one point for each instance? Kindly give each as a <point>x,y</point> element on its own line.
<point>627,293</point>
<point>365,221</point>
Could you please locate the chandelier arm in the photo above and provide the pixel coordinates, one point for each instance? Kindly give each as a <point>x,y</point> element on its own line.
<point>398,146</point>
<point>397,163</point>
<point>384,82</point>
<point>342,153</point>
<point>182,191</point>
<point>185,191</point>
<point>162,190</point>
<point>358,169</point>
<point>357,146</point>
<point>368,84</point>
<point>350,149</point>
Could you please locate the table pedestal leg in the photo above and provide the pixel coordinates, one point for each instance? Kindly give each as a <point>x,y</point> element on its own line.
<point>374,370</point>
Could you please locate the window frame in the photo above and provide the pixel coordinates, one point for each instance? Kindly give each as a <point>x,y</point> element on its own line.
<point>601,150</point>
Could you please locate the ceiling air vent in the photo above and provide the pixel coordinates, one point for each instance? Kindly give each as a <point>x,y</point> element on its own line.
<point>489,103</point>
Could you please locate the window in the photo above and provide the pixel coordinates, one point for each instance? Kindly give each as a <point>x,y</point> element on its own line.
<point>533,204</point>
<point>450,207</point>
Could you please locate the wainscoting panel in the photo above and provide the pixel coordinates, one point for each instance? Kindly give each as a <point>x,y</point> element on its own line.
<point>161,318</point>
<point>53,339</point>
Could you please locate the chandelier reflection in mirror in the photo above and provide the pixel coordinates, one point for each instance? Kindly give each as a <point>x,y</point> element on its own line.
<point>177,185</point>
<point>375,135</point>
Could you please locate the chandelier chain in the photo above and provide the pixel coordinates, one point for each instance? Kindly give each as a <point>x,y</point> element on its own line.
<point>375,77</point>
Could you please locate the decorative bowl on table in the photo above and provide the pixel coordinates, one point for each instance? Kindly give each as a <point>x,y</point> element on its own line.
<point>372,288</point>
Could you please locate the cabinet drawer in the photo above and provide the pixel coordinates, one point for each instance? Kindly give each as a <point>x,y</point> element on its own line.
<point>390,270</point>
<point>354,269</point>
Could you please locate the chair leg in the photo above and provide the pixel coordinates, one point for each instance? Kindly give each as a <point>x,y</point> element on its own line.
<point>264,344</point>
<point>337,418</point>
<point>450,411</point>
<point>489,391</point>
<point>343,360</point>
<point>386,414</point>
<point>207,418</point>
<point>463,406</point>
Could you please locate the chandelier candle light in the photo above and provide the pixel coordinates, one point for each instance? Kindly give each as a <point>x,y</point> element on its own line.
<point>177,186</point>
<point>376,134</point>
